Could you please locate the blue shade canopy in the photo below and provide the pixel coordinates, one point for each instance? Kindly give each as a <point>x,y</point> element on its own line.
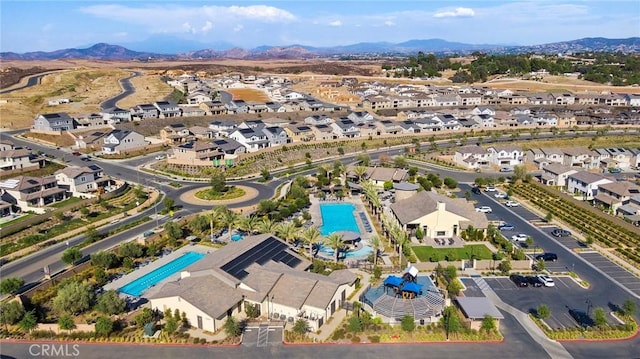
<point>394,281</point>
<point>412,287</point>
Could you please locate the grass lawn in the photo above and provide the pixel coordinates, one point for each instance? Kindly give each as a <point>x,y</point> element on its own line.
<point>230,193</point>
<point>66,202</point>
<point>431,254</point>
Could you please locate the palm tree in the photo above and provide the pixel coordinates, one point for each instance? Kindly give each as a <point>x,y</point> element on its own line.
<point>376,244</point>
<point>310,237</point>
<point>228,219</point>
<point>248,223</point>
<point>287,231</point>
<point>266,225</point>
<point>360,171</point>
<point>334,241</point>
<point>400,237</point>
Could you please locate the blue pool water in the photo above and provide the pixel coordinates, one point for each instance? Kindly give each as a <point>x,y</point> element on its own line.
<point>362,252</point>
<point>152,278</point>
<point>338,217</point>
<point>236,237</point>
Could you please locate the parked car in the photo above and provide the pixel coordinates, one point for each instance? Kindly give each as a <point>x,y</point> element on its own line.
<point>475,190</point>
<point>500,195</point>
<point>519,280</point>
<point>512,204</point>
<point>506,227</point>
<point>559,232</point>
<point>506,169</point>
<point>520,237</point>
<point>614,170</point>
<point>76,153</point>
<point>546,280</point>
<point>484,209</point>
<point>159,157</point>
<point>547,257</point>
<point>490,189</point>
<point>534,281</point>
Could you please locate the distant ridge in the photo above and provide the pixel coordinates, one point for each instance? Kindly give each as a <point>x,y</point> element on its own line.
<point>224,50</point>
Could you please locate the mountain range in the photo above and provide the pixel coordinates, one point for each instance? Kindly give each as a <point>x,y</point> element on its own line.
<point>174,50</point>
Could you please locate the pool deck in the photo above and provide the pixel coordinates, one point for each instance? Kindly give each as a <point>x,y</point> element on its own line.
<point>128,278</point>
<point>316,216</point>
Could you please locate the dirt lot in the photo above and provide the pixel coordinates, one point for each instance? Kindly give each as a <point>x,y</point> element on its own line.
<point>249,95</point>
<point>557,84</point>
<point>149,88</point>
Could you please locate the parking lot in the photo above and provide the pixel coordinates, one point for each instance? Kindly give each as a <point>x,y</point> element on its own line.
<point>262,335</point>
<point>616,272</point>
<point>565,298</point>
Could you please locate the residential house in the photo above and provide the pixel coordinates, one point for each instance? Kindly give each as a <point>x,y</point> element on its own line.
<point>58,121</point>
<point>19,159</point>
<point>203,133</point>
<point>409,127</point>
<point>191,110</point>
<point>144,111</point>
<point>580,157</point>
<point>230,147</point>
<point>620,157</point>
<point>245,273</point>
<point>275,121</point>
<point>82,181</point>
<point>116,115</point>
<point>253,140</point>
<point>300,133</point>
<point>502,156</point>
<point>223,128</point>
<point>92,141</point>
<point>91,120</point>
<point>175,132</point>
<point>613,195</point>
<point>556,174</point>
<point>541,157</point>
<point>563,99</point>
<point>633,100</point>
<point>276,136</point>
<point>438,216</point>
<point>472,157</point>
<point>323,133</point>
<point>168,109</point>
<point>345,128</point>
<point>195,153</point>
<point>318,120</point>
<point>585,184</point>
<point>275,107</point>
<point>469,99</point>
<point>198,97</point>
<point>32,193</point>
<point>484,120</point>
<point>118,141</point>
<point>588,99</point>
<point>214,108</point>
<point>380,175</point>
<point>361,117</point>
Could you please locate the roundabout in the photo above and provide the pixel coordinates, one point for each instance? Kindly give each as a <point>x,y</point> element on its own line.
<point>191,198</point>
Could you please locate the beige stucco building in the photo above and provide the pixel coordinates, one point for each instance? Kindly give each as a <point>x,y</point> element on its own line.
<point>260,271</point>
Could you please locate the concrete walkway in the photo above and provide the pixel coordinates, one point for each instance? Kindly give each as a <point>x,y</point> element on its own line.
<point>552,347</point>
<point>340,315</point>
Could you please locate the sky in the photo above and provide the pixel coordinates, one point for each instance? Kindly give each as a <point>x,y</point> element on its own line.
<point>57,24</point>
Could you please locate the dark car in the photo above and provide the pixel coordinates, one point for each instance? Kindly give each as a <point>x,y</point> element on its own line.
<point>534,281</point>
<point>519,280</point>
<point>547,257</point>
<point>558,232</point>
<point>476,190</point>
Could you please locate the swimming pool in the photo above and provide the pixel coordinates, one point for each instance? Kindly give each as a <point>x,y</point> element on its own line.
<point>337,217</point>
<point>236,237</point>
<point>362,252</point>
<point>159,274</point>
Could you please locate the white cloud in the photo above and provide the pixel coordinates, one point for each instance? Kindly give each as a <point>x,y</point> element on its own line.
<point>457,12</point>
<point>188,28</point>
<point>238,28</point>
<point>389,23</point>
<point>121,34</point>
<point>335,23</point>
<point>207,26</point>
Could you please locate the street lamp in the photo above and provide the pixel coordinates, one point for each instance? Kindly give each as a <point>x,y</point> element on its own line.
<point>589,305</point>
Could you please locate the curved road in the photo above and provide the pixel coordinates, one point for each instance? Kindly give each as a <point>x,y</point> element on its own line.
<point>32,81</point>
<point>127,89</point>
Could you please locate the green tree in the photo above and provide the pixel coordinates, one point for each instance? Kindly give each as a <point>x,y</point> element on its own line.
<point>168,203</point>
<point>265,174</point>
<point>252,311</point>
<point>529,241</point>
<point>29,321</point>
<point>505,267</point>
<point>354,324</point>
<point>145,317</point>
<point>376,244</point>
<point>629,307</point>
<point>10,312</point>
<point>173,231</point>
<point>408,323</point>
<point>66,322</point>
<point>92,235</point>
<point>540,265</point>
<point>84,211</point>
<point>387,185</point>
<point>71,255</point>
<point>488,323</point>
<point>104,260</point>
<point>110,303</point>
<point>454,287</point>
<point>218,181</point>
<point>543,311</point>
<point>311,236</point>
<point>450,182</point>
<point>519,173</point>
<point>450,321</point>
<point>73,297</point>
<point>100,276</point>
<point>130,249</point>
<point>599,317</point>
<point>334,241</point>
<point>549,217</point>
<point>104,326</point>
<point>400,162</point>
<point>10,285</point>
<point>300,327</point>
<point>231,327</point>
<point>171,325</point>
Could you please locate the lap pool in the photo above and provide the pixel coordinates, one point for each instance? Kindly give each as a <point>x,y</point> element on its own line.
<point>337,217</point>
<point>138,286</point>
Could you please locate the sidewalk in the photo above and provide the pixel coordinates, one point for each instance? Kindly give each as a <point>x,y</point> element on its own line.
<point>339,316</point>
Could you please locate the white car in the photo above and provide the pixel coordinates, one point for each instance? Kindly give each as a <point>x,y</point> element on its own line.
<point>484,209</point>
<point>512,204</point>
<point>520,237</point>
<point>500,195</point>
<point>546,280</point>
<point>490,189</point>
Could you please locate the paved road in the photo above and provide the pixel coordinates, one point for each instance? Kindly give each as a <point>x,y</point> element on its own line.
<point>127,89</point>
<point>32,81</point>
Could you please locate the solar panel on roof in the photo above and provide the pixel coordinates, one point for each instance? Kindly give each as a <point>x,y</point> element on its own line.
<point>271,249</point>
